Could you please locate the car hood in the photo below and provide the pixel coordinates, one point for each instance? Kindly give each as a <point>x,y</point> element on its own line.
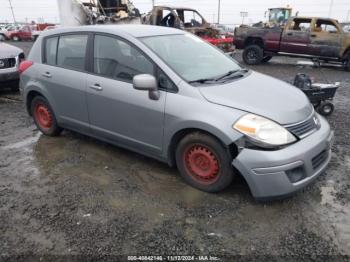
<point>8,51</point>
<point>262,95</point>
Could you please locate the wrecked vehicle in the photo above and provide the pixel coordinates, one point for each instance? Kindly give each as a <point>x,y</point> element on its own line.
<point>89,12</point>
<point>309,37</point>
<point>124,84</point>
<point>190,20</point>
<point>10,58</point>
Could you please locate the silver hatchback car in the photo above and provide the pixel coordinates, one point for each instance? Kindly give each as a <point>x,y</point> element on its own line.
<point>169,95</point>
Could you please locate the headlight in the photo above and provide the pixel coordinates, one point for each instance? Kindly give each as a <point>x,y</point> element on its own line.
<point>263,131</point>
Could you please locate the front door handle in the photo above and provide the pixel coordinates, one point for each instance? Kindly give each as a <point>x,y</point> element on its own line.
<point>47,75</point>
<point>313,35</point>
<point>289,33</point>
<point>96,87</point>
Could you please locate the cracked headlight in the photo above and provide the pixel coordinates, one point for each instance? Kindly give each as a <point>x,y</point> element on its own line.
<point>263,131</point>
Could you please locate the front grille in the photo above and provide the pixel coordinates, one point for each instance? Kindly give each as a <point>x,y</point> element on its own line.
<point>7,63</point>
<point>318,160</point>
<point>304,128</point>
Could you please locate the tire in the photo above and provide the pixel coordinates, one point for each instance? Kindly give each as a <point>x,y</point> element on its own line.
<point>204,163</point>
<point>253,55</point>
<point>326,108</point>
<point>347,62</point>
<point>16,38</point>
<point>44,117</point>
<point>266,59</point>
<point>2,38</point>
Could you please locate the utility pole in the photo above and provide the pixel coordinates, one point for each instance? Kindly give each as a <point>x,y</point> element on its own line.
<point>330,8</point>
<point>219,11</point>
<point>152,3</point>
<point>13,13</point>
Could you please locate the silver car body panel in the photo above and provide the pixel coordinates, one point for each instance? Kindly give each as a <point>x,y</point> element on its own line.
<point>127,117</point>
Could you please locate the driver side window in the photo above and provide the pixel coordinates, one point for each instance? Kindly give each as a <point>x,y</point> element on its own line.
<point>117,59</point>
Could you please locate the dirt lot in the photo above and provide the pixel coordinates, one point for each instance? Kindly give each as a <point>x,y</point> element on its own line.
<point>74,198</point>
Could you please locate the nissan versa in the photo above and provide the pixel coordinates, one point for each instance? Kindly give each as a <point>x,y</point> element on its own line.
<point>169,95</point>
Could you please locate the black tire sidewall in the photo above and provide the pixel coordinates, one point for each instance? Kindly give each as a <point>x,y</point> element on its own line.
<point>322,111</point>
<point>226,173</point>
<point>55,129</point>
<point>259,51</point>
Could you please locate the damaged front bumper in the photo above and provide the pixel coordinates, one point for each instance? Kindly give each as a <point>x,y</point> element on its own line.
<point>277,174</point>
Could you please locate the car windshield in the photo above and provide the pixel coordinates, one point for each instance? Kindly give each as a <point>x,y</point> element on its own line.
<point>190,57</point>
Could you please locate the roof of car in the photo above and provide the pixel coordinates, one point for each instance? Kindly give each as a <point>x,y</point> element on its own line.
<point>133,30</point>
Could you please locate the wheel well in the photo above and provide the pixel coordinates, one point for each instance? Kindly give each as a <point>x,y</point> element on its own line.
<point>232,148</point>
<point>30,98</point>
<point>254,41</point>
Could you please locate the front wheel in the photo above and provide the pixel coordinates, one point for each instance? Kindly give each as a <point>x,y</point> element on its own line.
<point>204,163</point>
<point>326,108</point>
<point>253,55</point>
<point>44,117</point>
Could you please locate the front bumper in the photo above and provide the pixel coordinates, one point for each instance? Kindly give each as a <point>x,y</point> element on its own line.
<point>271,174</point>
<point>9,75</point>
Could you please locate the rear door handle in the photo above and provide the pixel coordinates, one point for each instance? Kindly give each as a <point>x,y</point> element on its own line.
<point>313,35</point>
<point>96,87</point>
<point>289,33</point>
<point>47,74</point>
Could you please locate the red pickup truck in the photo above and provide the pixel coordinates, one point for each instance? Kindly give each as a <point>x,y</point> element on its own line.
<point>310,37</point>
<point>18,34</point>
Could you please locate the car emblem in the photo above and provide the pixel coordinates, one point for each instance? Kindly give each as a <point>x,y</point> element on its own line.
<point>2,64</point>
<point>316,120</point>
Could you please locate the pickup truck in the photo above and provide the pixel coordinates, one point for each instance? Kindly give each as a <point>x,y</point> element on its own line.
<point>190,20</point>
<point>321,39</point>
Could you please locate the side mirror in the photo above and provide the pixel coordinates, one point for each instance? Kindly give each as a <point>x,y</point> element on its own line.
<point>148,83</point>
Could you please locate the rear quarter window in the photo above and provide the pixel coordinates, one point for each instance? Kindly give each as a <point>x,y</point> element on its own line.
<point>71,51</point>
<point>51,51</point>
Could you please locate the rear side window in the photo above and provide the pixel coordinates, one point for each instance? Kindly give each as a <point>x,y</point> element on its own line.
<point>117,59</point>
<point>71,51</point>
<point>51,50</point>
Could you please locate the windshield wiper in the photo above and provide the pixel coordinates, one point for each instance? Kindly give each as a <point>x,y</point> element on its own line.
<point>216,79</point>
<point>202,81</point>
<point>233,73</point>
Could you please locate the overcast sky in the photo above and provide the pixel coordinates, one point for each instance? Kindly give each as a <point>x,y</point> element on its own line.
<point>28,10</point>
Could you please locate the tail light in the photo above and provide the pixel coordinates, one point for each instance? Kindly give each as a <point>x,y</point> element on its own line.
<point>24,66</point>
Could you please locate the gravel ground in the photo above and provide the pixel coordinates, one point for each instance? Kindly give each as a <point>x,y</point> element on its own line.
<point>73,198</point>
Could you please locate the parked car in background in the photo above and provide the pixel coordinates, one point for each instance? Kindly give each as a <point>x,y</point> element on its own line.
<point>3,33</point>
<point>20,33</point>
<point>167,94</point>
<point>10,58</point>
<point>310,37</point>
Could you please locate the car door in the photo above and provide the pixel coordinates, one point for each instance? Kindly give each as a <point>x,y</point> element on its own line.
<point>63,77</point>
<point>326,38</point>
<point>117,111</point>
<point>296,37</point>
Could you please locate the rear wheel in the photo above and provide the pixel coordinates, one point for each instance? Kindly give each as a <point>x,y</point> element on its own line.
<point>204,163</point>
<point>253,55</point>
<point>2,37</point>
<point>44,117</point>
<point>15,38</point>
<point>326,108</point>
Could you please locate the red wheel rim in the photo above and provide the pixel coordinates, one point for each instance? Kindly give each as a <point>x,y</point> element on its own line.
<point>43,116</point>
<point>202,164</point>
